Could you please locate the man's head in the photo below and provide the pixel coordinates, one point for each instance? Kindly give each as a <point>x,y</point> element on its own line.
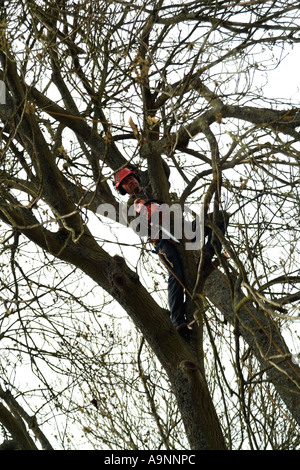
<point>127,182</point>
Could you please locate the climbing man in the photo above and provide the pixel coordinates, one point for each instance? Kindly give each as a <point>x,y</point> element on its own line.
<point>127,181</point>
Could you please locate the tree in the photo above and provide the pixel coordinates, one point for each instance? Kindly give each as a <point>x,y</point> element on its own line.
<point>75,73</point>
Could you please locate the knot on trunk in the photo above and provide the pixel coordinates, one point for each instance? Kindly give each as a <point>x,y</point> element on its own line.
<point>120,275</point>
<point>188,367</point>
<point>118,278</point>
<point>118,260</point>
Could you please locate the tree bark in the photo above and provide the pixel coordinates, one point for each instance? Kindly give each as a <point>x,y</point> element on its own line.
<point>16,428</point>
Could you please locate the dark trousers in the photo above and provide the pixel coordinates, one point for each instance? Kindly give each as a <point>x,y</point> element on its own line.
<point>169,256</point>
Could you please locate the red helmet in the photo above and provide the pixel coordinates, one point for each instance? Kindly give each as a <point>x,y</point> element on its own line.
<point>120,176</point>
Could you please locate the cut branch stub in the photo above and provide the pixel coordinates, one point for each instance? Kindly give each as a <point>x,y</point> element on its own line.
<point>119,280</point>
<point>118,277</point>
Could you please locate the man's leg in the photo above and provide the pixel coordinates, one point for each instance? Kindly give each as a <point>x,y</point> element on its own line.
<point>170,258</point>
